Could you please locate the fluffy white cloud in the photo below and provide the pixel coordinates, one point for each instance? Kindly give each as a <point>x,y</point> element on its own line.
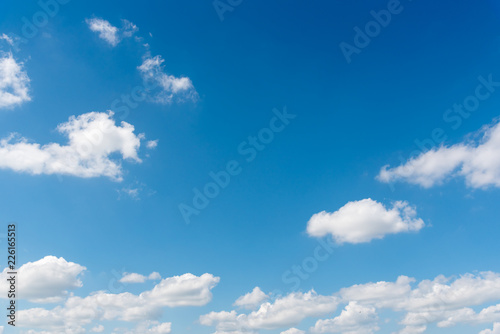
<point>138,278</point>
<point>77,312</point>
<point>93,137</point>
<point>363,221</point>
<point>380,294</point>
<point>168,86</point>
<point>478,161</point>
<point>14,82</point>
<point>252,299</point>
<point>354,319</point>
<point>495,330</point>
<point>443,301</point>
<point>284,312</point>
<point>446,302</point>
<point>45,281</point>
<point>293,331</point>
<point>164,328</point>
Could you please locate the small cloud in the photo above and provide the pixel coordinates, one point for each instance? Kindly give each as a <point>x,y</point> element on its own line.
<point>110,33</point>
<point>252,299</point>
<point>128,28</point>
<point>168,86</point>
<point>106,31</point>
<point>7,39</point>
<point>152,144</point>
<point>97,329</point>
<point>154,276</point>
<point>138,278</point>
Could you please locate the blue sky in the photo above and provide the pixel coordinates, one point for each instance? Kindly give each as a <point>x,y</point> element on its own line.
<point>387,166</point>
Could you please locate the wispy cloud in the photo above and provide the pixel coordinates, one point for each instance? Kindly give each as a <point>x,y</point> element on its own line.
<point>169,87</point>
<point>14,82</point>
<point>111,34</point>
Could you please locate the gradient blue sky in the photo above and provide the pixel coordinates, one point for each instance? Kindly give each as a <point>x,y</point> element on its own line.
<point>351,120</point>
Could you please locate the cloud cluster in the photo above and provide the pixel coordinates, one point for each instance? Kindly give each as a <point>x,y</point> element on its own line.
<point>48,280</point>
<point>476,160</point>
<point>363,221</point>
<point>283,312</point>
<point>446,302</point>
<point>14,81</point>
<point>93,139</point>
<point>162,88</point>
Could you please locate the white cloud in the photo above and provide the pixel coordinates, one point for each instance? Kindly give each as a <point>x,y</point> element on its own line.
<point>93,137</point>
<point>128,28</point>
<point>164,328</point>
<point>413,330</point>
<point>133,278</point>
<point>77,312</point>
<point>293,331</point>
<point>97,329</point>
<point>110,33</point>
<point>152,144</point>
<point>354,319</point>
<point>252,299</point>
<point>284,312</point>
<point>169,86</point>
<point>478,161</point>
<point>154,276</point>
<point>46,280</point>
<point>380,294</point>
<point>445,302</point>
<point>495,330</point>
<point>14,82</point>
<point>138,278</point>
<point>106,31</point>
<point>7,39</point>
<point>363,221</point>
